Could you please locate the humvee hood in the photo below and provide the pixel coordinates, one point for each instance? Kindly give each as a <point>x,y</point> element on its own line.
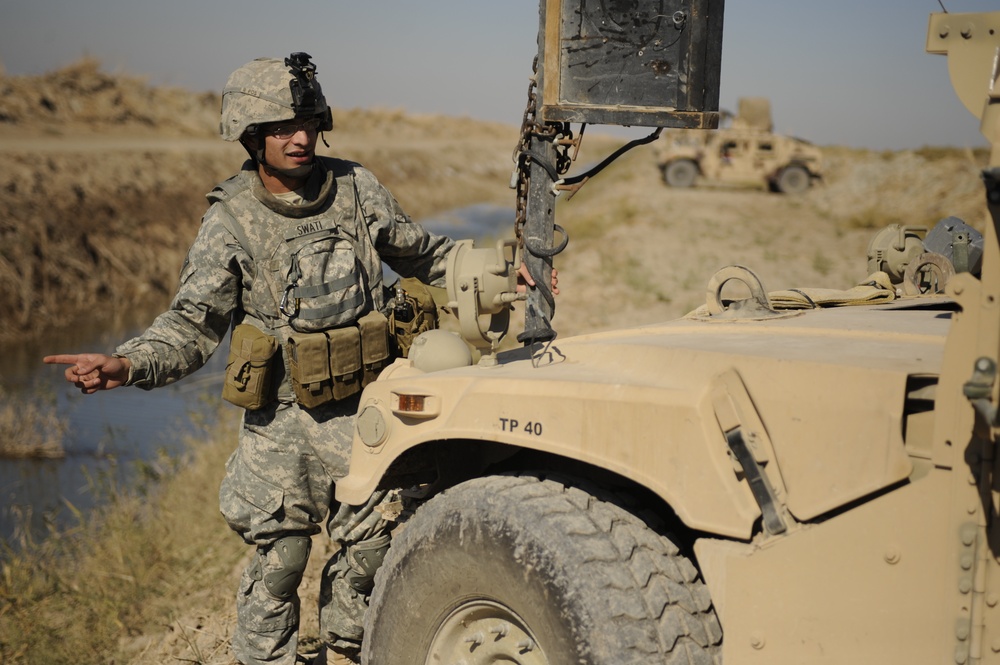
<point>823,391</point>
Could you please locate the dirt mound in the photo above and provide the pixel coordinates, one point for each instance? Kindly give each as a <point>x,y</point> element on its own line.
<point>82,96</point>
<point>400,126</point>
<point>81,230</point>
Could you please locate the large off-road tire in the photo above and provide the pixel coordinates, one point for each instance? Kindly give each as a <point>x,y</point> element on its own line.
<point>530,571</point>
<point>680,173</point>
<point>793,179</point>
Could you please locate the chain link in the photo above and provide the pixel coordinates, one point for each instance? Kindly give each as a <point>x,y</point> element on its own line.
<point>522,171</point>
<point>558,133</point>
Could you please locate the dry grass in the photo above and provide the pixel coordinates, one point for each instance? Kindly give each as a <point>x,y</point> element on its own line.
<point>977,156</point>
<point>30,426</point>
<point>866,190</point>
<point>82,595</point>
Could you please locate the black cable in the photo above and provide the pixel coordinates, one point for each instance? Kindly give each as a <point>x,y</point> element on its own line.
<point>612,157</point>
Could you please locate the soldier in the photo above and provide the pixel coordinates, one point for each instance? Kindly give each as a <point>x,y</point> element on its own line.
<point>289,257</point>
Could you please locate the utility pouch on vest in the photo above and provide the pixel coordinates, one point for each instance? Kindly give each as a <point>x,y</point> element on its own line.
<point>413,312</point>
<point>309,363</point>
<point>375,355</point>
<point>345,360</point>
<point>248,368</point>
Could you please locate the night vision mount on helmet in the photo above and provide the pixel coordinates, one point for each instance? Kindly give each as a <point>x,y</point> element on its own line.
<point>307,97</point>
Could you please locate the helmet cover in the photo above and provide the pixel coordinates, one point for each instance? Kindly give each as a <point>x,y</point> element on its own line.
<point>270,90</point>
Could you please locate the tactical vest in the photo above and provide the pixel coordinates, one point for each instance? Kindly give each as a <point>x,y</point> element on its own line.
<point>316,286</point>
<point>316,267</point>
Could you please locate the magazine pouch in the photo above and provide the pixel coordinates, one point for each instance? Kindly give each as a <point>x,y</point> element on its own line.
<point>345,360</point>
<point>309,366</point>
<point>248,368</point>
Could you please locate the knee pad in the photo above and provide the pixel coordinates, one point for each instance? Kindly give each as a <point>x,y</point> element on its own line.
<point>365,557</point>
<point>293,553</point>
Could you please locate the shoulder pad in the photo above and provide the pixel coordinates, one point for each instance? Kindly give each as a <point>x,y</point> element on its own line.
<point>339,167</point>
<point>229,188</point>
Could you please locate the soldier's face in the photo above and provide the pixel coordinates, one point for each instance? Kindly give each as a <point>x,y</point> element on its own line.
<point>284,151</point>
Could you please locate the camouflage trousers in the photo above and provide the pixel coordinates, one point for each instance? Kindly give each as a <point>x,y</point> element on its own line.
<point>279,485</point>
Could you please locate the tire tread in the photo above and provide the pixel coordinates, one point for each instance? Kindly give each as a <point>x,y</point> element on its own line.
<point>653,601</point>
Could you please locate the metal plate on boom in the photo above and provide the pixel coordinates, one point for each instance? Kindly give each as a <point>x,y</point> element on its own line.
<point>651,63</point>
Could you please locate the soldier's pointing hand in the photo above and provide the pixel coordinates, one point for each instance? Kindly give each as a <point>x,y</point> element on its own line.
<point>91,372</point>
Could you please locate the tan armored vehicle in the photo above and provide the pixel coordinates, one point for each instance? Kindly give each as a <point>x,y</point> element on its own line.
<point>748,152</point>
<point>796,477</point>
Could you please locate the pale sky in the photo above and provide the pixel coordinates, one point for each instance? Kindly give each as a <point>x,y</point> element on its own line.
<point>852,72</point>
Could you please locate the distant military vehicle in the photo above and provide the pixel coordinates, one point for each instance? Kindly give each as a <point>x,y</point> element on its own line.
<point>804,476</point>
<point>746,152</point>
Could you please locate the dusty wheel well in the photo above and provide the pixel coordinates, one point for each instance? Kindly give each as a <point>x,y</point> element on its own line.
<point>455,461</point>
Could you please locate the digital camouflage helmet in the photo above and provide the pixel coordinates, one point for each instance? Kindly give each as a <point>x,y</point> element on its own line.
<point>271,90</point>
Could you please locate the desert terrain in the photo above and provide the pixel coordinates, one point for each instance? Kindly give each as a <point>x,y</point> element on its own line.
<point>102,184</point>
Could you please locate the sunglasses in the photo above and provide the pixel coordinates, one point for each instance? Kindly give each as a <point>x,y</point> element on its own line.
<point>286,131</point>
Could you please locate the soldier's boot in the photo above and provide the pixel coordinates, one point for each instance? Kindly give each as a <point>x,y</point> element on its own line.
<point>343,657</point>
<point>338,656</point>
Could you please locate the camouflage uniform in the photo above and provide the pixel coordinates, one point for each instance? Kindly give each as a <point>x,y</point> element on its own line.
<point>280,480</point>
